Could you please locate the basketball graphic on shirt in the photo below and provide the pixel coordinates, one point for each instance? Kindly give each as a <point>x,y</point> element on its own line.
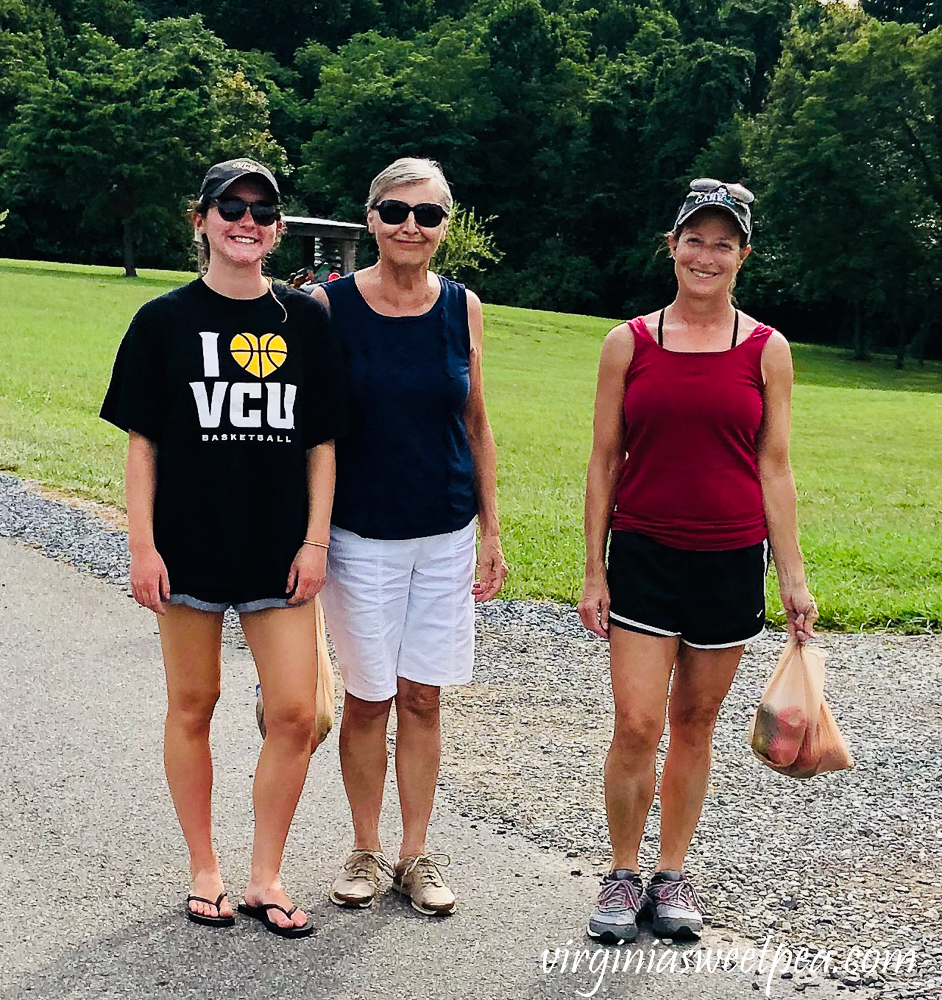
<point>259,356</point>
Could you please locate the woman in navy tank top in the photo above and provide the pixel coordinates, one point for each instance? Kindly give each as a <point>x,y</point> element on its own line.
<point>690,480</point>
<point>416,468</point>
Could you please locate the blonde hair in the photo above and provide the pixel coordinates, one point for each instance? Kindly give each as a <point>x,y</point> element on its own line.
<point>409,170</point>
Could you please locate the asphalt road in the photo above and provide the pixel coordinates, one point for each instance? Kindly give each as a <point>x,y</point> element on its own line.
<point>95,869</point>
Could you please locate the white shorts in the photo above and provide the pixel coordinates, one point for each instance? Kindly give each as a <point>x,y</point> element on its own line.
<point>401,608</point>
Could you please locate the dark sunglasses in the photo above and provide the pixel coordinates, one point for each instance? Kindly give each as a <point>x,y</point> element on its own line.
<point>232,209</point>
<point>426,215</point>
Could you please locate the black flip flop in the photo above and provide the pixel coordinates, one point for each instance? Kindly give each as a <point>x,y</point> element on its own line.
<point>200,918</point>
<point>260,913</point>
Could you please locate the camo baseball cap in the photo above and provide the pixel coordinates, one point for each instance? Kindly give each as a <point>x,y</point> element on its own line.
<point>708,193</point>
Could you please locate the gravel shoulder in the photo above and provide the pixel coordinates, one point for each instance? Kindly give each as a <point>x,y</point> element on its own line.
<point>841,861</point>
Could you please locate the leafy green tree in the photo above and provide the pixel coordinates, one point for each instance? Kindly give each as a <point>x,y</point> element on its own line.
<point>468,247</point>
<point>30,40</point>
<point>124,133</point>
<point>118,19</point>
<point>847,155</point>
<point>380,98</point>
<point>283,28</point>
<point>925,13</point>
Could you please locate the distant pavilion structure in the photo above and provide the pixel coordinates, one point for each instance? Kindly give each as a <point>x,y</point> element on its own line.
<point>326,241</point>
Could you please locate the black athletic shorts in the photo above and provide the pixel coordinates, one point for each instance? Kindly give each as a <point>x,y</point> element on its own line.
<point>711,600</point>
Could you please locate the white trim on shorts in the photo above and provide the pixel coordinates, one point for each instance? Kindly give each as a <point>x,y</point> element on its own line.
<point>726,645</point>
<point>649,628</point>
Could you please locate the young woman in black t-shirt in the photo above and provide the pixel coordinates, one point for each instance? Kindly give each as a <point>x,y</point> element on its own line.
<point>232,393</point>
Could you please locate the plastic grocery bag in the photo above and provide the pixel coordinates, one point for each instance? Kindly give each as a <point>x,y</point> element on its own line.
<point>798,675</point>
<point>823,749</point>
<point>790,704</point>
<point>324,703</point>
<point>324,720</point>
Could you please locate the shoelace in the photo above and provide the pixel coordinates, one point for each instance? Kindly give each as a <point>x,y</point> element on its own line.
<point>358,864</point>
<point>621,892</point>
<point>683,892</point>
<point>427,868</point>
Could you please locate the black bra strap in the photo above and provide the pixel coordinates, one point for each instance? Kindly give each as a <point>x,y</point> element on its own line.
<point>660,329</point>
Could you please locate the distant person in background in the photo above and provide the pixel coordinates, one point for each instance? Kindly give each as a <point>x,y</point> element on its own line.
<point>310,280</point>
<point>416,468</point>
<point>231,390</point>
<point>690,483</point>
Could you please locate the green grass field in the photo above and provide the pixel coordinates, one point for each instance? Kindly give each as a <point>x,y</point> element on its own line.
<point>865,448</point>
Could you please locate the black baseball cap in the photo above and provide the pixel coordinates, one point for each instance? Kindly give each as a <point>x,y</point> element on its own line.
<point>219,177</point>
<point>708,193</point>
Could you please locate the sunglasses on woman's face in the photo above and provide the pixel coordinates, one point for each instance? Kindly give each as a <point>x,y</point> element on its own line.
<point>232,209</point>
<point>427,215</point>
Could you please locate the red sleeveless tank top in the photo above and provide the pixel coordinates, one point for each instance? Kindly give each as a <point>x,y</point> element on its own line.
<point>691,478</point>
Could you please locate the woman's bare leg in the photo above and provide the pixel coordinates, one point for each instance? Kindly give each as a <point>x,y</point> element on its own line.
<point>701,682</point>
<point>418,752</point>
<point>284,644</point>
<point>363,764</point>
<point>641,669</point>
<point>191,642</point>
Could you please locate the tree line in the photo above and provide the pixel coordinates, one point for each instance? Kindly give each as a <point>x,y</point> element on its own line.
<point>571,126</point>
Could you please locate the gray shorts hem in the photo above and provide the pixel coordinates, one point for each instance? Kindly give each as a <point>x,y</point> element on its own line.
<point>262,605</point>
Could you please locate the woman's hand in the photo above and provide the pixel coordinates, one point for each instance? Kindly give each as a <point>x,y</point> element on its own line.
<point>150,583</point>
<point>801,612</point>
<point>491,569</point>
<point>307,575</point>
<point>594,604</point>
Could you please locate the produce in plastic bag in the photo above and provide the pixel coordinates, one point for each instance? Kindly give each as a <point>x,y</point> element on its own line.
<point>790,704</point>
<point>773,731</point>
<point>822,749</point>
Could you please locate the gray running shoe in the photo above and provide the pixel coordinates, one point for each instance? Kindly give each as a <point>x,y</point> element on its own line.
<point>675,907</point>
<point>614,918</point>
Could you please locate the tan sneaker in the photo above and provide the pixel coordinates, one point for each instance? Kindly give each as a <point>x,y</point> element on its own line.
<point>356,885</point>
<point>421,879</point>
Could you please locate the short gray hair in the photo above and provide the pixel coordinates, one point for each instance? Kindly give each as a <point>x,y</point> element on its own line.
<point>409,170</point>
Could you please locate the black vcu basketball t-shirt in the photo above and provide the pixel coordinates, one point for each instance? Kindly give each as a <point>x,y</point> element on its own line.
<point>233,394</point>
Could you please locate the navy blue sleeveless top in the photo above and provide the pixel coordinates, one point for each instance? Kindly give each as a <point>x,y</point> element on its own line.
<point>405,469</point>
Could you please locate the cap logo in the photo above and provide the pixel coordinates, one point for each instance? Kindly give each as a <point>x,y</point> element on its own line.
<point>245,165</point>
<point>714,196</point>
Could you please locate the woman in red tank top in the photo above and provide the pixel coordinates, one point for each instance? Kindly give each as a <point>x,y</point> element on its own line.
<point>690,476</point>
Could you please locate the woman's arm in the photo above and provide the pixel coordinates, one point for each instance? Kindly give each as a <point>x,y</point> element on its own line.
<point>491,568</point>
<point>605,462</point>
<point>309,569</point>
<point>778,488</point>
<point>150,584</point>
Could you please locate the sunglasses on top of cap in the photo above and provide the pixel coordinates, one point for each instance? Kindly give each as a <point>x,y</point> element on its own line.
<point>232,209</point>
<point>427,215</point>
<point>737,192</point>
